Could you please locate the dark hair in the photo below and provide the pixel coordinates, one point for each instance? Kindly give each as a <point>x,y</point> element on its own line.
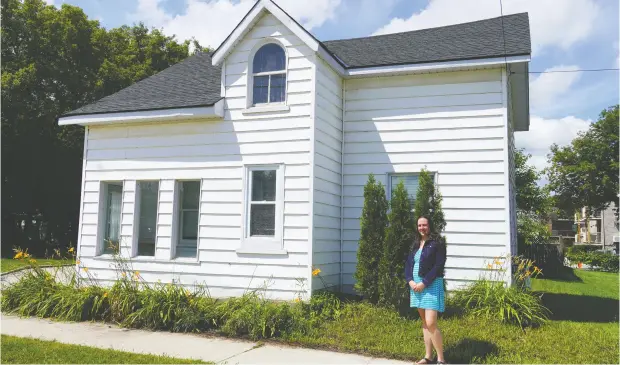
<point>432,235</point>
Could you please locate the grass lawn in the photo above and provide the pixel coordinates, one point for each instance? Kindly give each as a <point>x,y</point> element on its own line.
<point>17,350</point>
<point>583,329</point>
<point>11,264</point>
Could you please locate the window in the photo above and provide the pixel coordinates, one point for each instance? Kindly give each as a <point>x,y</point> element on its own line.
<point>148,193</point>
<point>269,75</point>
<point>112,200</point>
<point>189,201</point>
<point>411,182</point>
<point>263,208</point>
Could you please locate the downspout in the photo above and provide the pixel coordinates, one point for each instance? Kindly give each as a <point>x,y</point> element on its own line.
<point>344,89</point>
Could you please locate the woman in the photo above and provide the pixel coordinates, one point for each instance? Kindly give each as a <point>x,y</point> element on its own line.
<point>424,273</point>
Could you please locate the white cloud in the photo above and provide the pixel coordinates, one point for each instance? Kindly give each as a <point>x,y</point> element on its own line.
<point>211,21</point>
<point>545,132</point>
<point>552,23</point>
<point>547,88</point>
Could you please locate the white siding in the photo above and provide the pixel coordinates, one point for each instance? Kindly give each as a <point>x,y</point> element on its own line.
<point>214,152</point>
<point>327,175</point>
<point>452,123</point>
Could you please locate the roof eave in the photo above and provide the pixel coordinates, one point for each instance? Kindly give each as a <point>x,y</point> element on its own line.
<point>215,111</point>
<point>440,66</point>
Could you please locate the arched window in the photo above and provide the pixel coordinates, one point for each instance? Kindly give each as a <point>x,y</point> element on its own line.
<point>269,73</point>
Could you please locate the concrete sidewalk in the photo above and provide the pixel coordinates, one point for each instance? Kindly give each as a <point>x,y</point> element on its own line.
<point>187,346</point>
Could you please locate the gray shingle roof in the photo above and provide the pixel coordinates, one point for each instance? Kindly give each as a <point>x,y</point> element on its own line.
<point>474,40</point>
<point>192,82</point>
<point>196,82</point>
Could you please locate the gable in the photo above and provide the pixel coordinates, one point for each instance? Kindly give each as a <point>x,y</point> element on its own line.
<point>258,11</point>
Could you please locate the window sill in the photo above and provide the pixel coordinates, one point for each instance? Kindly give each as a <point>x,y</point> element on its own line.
<point>262,251</point>
<point>266,109</point>
<point>186,260</point>
<point>179,260</point>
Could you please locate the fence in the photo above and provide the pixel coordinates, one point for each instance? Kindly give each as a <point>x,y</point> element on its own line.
<point>548,257</point>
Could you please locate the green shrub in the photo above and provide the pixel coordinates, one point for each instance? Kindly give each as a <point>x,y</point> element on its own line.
<point>392,288</point>
<point>494,300</point>
<point>428,202</point>
<point>322,306</point>
<point>601,261</point>
<point>373,223</point>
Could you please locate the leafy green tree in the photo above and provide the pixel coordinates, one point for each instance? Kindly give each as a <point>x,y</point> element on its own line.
<point>533,203</point>
<point>392,288</point>
<point>530,196</point>
<point>53,61</point>
<point>373,223</point>
<point>585,173</point>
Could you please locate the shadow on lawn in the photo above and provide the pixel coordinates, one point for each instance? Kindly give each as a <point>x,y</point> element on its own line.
<point>469,351</point>
<point>581,308</point>
<point>562,274</point>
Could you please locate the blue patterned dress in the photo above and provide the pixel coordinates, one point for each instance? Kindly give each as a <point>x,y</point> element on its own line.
<point>432,297</point>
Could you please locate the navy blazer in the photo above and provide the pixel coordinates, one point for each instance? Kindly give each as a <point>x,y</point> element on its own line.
<point>432,261</point>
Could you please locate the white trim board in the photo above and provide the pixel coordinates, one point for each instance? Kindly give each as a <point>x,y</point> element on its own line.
<point>434,66</point>
<point>215,111</point>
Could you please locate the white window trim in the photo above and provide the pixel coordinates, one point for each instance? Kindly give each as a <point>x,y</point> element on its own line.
<point>103,212</point>
<point>178,224</point>
<point>263,245</point>
<point>389,175</point>
<point>136,220</point>
<point>263,107</point>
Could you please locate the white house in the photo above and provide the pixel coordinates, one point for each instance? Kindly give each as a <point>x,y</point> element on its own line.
<point>247,165</point>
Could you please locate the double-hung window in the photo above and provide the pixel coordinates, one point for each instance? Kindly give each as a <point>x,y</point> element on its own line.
<point>269,75</point>
<point>263,208</point>
<point>147,201</point>
<point>112,198</point>
<point>189,202</point>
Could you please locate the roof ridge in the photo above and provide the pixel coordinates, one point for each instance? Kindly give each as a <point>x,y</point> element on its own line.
<point>426,29</point>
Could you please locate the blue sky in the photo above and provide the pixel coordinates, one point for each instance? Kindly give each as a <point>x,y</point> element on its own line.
<point>566,35</point>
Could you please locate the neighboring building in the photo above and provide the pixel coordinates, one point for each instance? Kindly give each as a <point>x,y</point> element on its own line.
<point>248,164</point>
<point>603,228</point>
<point>562,229</point>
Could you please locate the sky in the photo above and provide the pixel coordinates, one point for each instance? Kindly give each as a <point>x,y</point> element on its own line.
<point>566,35</point>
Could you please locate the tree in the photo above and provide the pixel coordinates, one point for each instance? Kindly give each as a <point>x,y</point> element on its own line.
<point>392,288</point>
<point>530,196</point>
<point>585,173</point>
<point>533,203</point>
<point>373,223</point>
<point>53,61</point>
<point>428,203</point>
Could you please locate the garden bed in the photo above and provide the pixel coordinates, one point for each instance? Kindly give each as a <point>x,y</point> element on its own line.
<point>362,328</point>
